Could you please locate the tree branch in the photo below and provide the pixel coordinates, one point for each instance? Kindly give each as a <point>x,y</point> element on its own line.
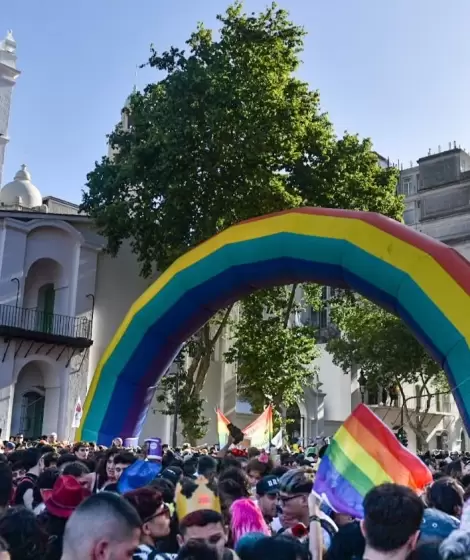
<point>290,305</point>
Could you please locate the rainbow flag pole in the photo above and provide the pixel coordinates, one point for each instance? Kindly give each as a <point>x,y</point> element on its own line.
<point>364,453</point>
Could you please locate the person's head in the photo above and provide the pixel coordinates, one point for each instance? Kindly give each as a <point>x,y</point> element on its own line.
<point>280,547</point>
<point>204,526</point>
<point>246,517</point>
<point>232,485</point>
<point>52,438</point>
<point>50,459</point>
<point>122,461</point>
<point>21,530</point>
<point>207,467</point>
<point>196,550</point>
<point>104,527</point>
<point>267,493</point>
<point>81,450</point>
<point>33,459</point>
<point>166,487</point>
<point>6,484</point>
<point>18,471</point>
<point>294,489</point>
<point>446,494</point>
<point>153,512</point>
<point>45,481</point>
<point>117,442</point>
<point>256,469</point>
<point>392,518</point>
<point>65,459</point>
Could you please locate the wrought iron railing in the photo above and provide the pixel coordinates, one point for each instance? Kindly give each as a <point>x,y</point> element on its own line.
<point>41,322</point>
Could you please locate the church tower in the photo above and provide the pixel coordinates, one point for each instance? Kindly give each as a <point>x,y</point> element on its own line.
<point>8,75</point>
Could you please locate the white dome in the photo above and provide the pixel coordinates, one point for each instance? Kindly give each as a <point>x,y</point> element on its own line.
<point>21,192</point>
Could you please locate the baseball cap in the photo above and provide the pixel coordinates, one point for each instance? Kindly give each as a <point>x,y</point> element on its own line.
<point>268,485</point>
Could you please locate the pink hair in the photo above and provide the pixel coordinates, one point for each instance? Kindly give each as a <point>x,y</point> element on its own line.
<point>246,517</point>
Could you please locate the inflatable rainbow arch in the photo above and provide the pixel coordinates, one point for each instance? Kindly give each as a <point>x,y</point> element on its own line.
<point>421,280</point>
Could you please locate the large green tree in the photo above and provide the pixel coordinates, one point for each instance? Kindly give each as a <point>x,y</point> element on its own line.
<point>229,132</point>
<point>388,355</point>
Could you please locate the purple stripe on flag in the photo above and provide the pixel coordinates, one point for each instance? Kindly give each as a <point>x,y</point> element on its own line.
<point>341,495</point>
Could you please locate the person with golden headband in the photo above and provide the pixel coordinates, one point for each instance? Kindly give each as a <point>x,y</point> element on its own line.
<point>200,519</point>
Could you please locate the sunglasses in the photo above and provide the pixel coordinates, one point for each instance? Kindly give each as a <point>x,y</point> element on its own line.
<point>164,511</point>
<point>286,499</point>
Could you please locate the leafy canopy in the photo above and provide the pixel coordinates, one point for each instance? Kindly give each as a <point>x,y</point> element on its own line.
<point>225,133</point>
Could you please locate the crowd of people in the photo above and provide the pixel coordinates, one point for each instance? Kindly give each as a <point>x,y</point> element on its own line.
<point>87,502</point>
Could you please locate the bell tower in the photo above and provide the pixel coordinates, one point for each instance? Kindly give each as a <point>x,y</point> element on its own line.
<point>8,75</point>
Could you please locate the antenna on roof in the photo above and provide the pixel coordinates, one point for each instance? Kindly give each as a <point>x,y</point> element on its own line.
<point>439,149</point>
<point>455,145</point>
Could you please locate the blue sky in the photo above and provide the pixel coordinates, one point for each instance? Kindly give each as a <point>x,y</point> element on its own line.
<point>396,71</point>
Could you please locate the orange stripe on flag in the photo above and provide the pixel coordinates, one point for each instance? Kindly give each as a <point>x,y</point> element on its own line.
<point>382,454</point>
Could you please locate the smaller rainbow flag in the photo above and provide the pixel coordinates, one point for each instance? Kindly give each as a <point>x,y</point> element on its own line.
<point>260,432</point>
<point>222,430</point>
<point>364,453</point>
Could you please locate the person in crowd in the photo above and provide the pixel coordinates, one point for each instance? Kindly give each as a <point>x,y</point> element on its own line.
<point>18,471</point>
<point>121,462</point>
<point>207,467</point>
<point>392,518</point>
<point>25,538</point>
<point>81,449</point>
<point>444,499</point>
<point>45,481</point>
<point>105,527</point>
<point>50,460</point>
<point>233,485</point>
<point>257,468</point>
<point>196,550</point>
<point>205,526</point>
<point>34,462</point>
<point>52,439</point>
<point>267,496</point>
<point>60,502</point>
<point>280,547</point>
<point>106,474</point>
<point>155,518</point>
<point>295,488</point>
<point>246,517</point>
<point>65,459</point>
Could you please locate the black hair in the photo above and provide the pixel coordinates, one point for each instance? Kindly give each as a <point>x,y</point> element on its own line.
<point>279,470</point>
<point>102,462</point>
<point>50,458</point>
<point>195,550</point>
<point>207,466</point>
<point>230,462</point>
<point>280,547</point>
<point>125,458</point>
<point>76,469</point>
<point>31,457</point>
<point>45,481</point>
<point>6,484</point>
<point>446,495</point>
<point>23,533</point>
<point>200,518</point>
<point>166,487</point>
<point>66,458</point>
<point>392,515</point>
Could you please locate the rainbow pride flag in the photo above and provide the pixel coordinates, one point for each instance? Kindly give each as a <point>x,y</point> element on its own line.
<point>364,453</point>
<point>260,432</point>
<point>222,430</point>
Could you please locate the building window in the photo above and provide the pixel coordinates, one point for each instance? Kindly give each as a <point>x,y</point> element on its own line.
<point>408,186</point>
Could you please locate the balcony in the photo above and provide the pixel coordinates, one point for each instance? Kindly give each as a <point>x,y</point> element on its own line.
<point>46,328</point>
